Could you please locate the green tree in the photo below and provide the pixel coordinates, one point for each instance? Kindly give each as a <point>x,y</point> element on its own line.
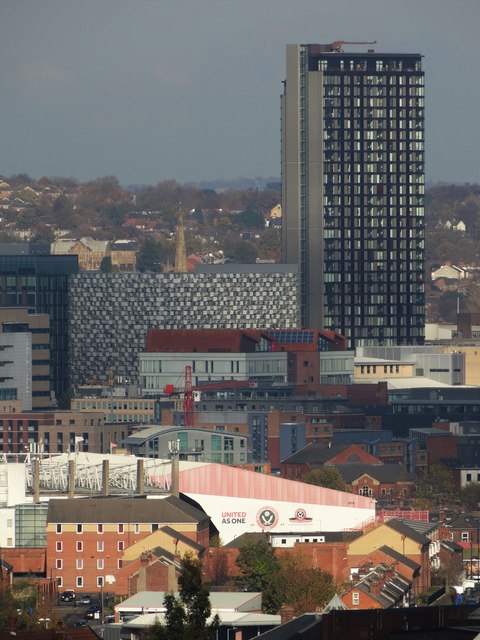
<point>260,569</point>
<point>435,488</point>
<point>328,477</point>
<point>269,243</point>
<point>186,615</point>
<point>306,588</point>
<point>151,256</point>
<point>450,572</point>
<point>250,219</point>
<point>106,265</point>
<point>470,496</point>
<point>242,251</point>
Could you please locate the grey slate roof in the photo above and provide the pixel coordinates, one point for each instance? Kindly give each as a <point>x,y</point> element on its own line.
<point>384,473</point>
<point>180,536</point>
<point>237,542</point>
<point>406,530</point>
<point>315,454</point>
<point>463,521</point>
<point>121,510</point>
<point>296,628</point>
<point>399,557</point>
<point>335,604</point>
<point>422,527</point>
<point>451,545</point>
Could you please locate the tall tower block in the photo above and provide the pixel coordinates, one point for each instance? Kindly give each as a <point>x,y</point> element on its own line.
<point>353,188</point>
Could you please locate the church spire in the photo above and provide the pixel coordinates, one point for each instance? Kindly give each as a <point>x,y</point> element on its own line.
<point>180,249</point>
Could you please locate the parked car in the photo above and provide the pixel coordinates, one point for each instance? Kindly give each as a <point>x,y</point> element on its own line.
<point>93,612</point>
<point>81,623</point>
<point>86,599</point>
<point>108,619</point>
<point>68,596</point>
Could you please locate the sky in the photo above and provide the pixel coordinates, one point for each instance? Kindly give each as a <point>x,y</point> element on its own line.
<point>153,90</point>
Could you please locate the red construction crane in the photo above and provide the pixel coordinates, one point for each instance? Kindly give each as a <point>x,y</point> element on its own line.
<point>188,398</point>
<point>175,392</point>
<point>338,44</point>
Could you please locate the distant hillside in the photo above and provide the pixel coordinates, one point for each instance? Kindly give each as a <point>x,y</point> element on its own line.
<point>240,183</point>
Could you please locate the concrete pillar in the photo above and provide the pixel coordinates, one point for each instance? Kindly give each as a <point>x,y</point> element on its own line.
<point>36,480</point>
<point>175,479</point>
<point>140,477</point>
<point>71,478</point>
<point>105,478</point>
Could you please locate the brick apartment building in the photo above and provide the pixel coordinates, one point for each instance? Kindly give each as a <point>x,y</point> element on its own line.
<point>90,539</point>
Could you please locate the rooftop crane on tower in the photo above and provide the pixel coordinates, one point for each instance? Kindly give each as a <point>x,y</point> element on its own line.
<point>337,46</point>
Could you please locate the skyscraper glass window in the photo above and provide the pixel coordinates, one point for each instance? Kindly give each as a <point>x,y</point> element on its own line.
<point>353,188</point>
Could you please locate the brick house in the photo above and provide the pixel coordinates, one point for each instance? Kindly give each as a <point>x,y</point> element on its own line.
<point>385,482</point>
<point>408,568</point>
<point>89,540</point>
<point>400,537</point>
<point>313,456</point>
<point>380,588</point>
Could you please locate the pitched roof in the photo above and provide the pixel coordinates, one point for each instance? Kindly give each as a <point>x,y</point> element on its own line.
<point>237,542</point>
<point>406,530</point>
<point>384,473</point>
<point>388,551</point>
<point>392,589</point>
<point>119,510</point>
<point>463,521</point>
<point>335,604</point>
<point>296,628</point>
<point>315,454</point>
<point>221,600</point>
<point>180,536</point>
<point>451,545</point>
<point>422,527</point>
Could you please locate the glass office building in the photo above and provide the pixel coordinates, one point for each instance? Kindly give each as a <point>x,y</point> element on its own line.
<point>39,282</point>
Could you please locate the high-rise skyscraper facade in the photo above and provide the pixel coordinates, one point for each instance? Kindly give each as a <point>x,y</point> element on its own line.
<point>353,188</point>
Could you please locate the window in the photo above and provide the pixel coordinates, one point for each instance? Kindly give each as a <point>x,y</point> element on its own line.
<point>58,528</point>
<point>154,527</point>
<point>120,545</point>
<point>58,563</point>
<point>99,545</point>
<point>465,536</point>
<point>79,581</point>
<point>59,546</point>
<point>79,528</point>
<point>136,528</point>
<point>365,491</point>
<point>355,598</point>
<point>99,528</point>
<point>119,564</point>
<point>59,580</point>
<point>79,563</point>
<point>120,528</point>
<point>79,545</point>
<point>99,581</point>
<point>100,563</point>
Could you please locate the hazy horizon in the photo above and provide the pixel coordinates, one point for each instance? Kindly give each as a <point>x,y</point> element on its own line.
<point>151,90</point>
